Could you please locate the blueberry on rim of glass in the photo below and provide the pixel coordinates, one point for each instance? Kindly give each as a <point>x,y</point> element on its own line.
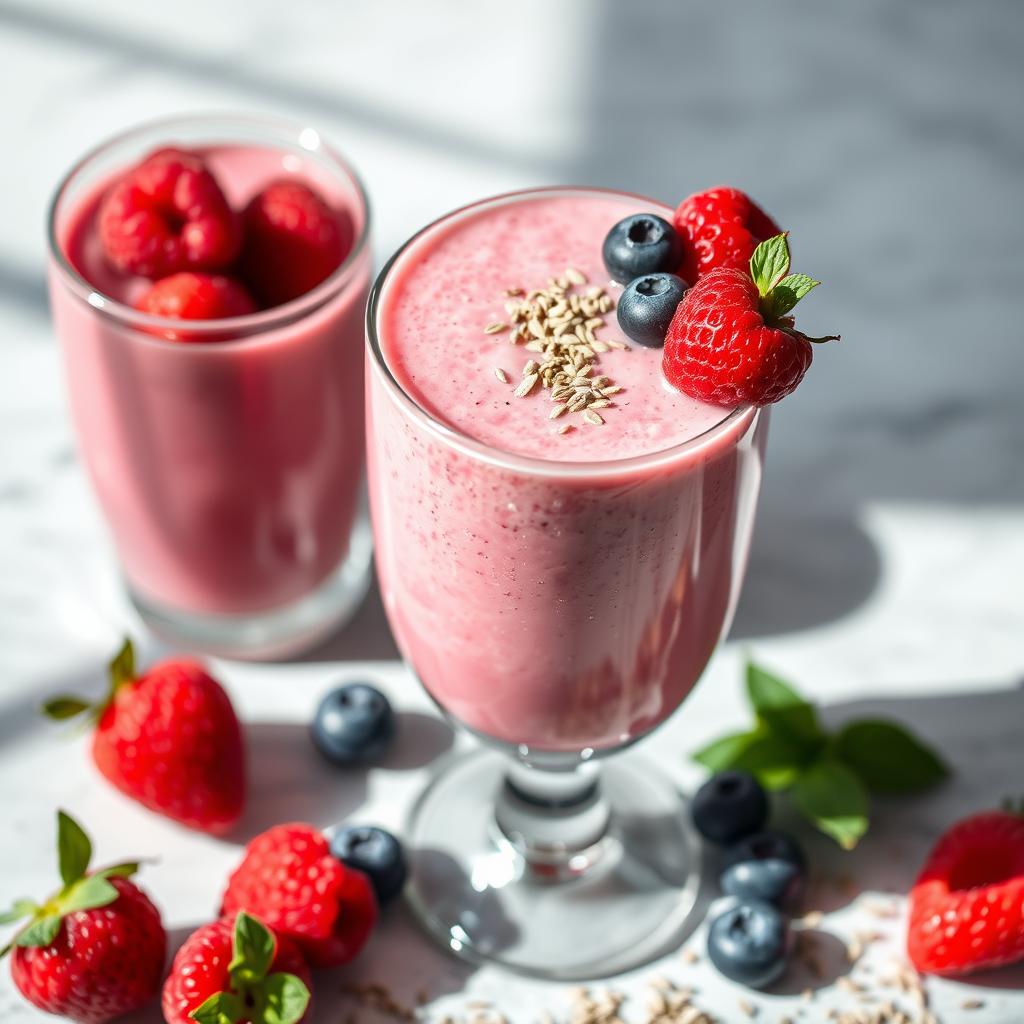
<point>641,244</point>
<point>647,306</point>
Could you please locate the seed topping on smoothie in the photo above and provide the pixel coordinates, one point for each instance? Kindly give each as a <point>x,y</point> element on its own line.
<point>559,324</point>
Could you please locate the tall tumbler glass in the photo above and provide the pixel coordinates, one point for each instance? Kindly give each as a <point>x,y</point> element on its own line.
<point>230,466</point>
<point>559,611</point>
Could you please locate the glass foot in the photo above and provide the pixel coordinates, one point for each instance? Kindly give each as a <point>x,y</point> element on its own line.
<point>619,901</point>
<point>280,632</point>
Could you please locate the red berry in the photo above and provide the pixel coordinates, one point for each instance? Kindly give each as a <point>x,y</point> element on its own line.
<point>191,296</point>
<point>170,739</point>
<point>289,879</point>
<point>731,340</point>
<point>202,969</point>
<point>967,905</point>
<point>168,214</point>
<point>293,241</point>
<point>720,228</point>
<point>99,961</point>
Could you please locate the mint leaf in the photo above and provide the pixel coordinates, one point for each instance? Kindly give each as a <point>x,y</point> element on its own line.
<point>773,759</point>
<point>285,998</point>
<point>220,1008</point>
<point>834,798</point>
<point>73,849</point>
<point>254,948</point>
<point>87,894</point>
<point>723,752</point>
<point>786,294</point>
<point>21,908</point>
<point>122,668</point>
<point>125,870</point>
<point>782,710</point>
<point>41,932</point>
<point>770,263</point>
<point>887,757</point>
<point>62,708</point>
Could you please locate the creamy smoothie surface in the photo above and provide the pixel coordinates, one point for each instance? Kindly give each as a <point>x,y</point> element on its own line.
<point>452,282</point>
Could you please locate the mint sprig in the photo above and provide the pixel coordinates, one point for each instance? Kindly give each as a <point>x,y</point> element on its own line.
<point>829,776</point>
<point>780,290</point>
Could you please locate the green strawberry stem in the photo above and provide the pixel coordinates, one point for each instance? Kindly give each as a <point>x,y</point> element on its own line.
<point>255,995</point>
<point>81,890</point>
<point>120,672</point>
<point>780,290</point>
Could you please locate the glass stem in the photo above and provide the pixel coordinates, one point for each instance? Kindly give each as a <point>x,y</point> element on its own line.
<point>556,819</point>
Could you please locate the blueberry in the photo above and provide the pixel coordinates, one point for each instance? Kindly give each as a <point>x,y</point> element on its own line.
<point>750,943</point>
<point>729,806</point>
<point>767,866</point>
<point>353,723</point>
<point>646,307</point>
<point>378,854</point>
<point>642,244</point>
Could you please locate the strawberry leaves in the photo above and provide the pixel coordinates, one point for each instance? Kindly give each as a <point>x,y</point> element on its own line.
<point>80,891</point>
<point>255,995</point>
<point>829,777</point>
<point>780,290</point>
<point>120,671</point>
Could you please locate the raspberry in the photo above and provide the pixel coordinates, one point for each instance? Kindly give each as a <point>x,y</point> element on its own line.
<point>191,296</point>
<point>967,905</point>
<point>289,879</point>
<point>720,228</point>
<point>166,215</point>
<point>731,340</point>
<point>293,241</point>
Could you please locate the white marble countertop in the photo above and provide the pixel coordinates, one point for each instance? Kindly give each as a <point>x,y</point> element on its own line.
<point>887,565</point>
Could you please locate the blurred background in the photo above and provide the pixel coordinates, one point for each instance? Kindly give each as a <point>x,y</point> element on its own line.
<point>886,135</point>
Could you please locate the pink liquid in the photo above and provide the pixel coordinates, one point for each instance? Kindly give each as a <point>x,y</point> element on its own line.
<point>228,470</point>
<point>571,599</point>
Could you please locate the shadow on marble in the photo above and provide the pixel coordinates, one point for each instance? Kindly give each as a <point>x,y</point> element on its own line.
<point>287,782</point>
<point>419,741</point>
<point>367,637</point>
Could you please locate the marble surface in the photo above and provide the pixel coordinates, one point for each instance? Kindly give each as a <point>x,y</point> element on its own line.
<point>886,571</point>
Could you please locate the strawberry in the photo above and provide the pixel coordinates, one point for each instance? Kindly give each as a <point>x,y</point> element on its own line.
<point>720,228</point>
<point>168,738</point>
<point>967,905</point>
<point>191,296</point>
<point>293,241</point>
<point>168,214</point>
<point>290,880</point>
<point>235,971</point>
<point>96,948</point>
<point>732,341</point>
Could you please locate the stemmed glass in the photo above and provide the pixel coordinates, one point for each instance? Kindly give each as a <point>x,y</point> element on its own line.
<point>539,851</point>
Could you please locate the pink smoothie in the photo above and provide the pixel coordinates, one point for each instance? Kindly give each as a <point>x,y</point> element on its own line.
<point>229,470</point>
<point>556,591</point>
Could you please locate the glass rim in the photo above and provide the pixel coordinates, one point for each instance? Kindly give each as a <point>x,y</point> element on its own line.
<point>475,448</point>
<point>252,325</point>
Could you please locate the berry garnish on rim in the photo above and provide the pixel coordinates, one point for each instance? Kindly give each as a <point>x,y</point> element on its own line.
<point>95,949</point>
<point>732,339</point>
<point>720,227</point>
